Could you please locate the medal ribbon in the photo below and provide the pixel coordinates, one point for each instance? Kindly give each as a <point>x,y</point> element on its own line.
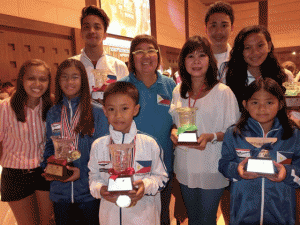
<point>128,171</point>
<point>197,97</point>
<point>68,130</point>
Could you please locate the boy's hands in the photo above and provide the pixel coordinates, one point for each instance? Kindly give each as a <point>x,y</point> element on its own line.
<point>137,194</point>
<point>109,196</point>
<point>243,173</point>
<point>280,176</point>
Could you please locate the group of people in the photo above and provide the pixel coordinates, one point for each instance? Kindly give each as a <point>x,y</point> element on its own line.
<point>241,111</point>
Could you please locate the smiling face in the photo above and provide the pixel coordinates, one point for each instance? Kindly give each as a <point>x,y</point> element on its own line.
<point>196,64</point>
<point>93,31</point>
<point>256,50</point>
<point>120,110</point>
<point>218,29</point>
<point>145,64</point>
<point>263,107</point>
<point>70,82</point>
<point>36,82</point>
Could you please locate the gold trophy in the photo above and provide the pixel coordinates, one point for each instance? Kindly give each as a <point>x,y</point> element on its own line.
<point>187,130</point>
<point>65,154</point>
<point>122,173</point>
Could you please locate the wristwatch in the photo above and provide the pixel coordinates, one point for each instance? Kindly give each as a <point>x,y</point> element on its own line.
<point>215,139</point>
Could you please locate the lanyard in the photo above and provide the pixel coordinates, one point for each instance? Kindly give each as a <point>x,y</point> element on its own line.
<point>198,95</point>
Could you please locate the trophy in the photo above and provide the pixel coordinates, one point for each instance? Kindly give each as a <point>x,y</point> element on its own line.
<point>261,164</point>
<point>187,130</point>
<point>102,79</point>
<point>122,173</point>
<point>65,154</point>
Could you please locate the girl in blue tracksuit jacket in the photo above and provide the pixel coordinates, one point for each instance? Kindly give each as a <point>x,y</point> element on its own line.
<point>260,198</point>
<point>74,115</point>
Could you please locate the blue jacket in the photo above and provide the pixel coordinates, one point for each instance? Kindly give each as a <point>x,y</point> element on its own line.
<point>154,118</point>
<point>77,191</point>
<point>256,200</point>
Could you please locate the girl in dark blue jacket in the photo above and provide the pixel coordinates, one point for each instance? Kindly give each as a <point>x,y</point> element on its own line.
<point>74,115</point>
<point>260,198</point>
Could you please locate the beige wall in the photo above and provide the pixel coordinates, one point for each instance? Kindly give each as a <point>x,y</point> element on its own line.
<point>170,22</point>
<point>61,12</point>
<point>284,17</point>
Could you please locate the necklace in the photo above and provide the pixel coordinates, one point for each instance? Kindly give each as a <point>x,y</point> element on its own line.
<point>197,97</point>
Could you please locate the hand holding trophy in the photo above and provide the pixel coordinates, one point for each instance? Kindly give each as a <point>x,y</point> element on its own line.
<point>64,155</point>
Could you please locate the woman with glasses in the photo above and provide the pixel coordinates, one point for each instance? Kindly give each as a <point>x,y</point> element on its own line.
<point>155,97</point>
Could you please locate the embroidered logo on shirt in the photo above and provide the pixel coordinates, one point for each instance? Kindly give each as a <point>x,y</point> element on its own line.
<point>284,157</point>
<point>163,100</point>
<point>143,167</point>
<point>111,79</point>
<point>243,153</point>
<point>55,127</point>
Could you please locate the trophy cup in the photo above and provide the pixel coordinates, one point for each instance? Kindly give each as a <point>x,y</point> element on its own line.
<point>121,174</point>
<point>65,154</point>
<point>187,130</point>
<point>102,79</point>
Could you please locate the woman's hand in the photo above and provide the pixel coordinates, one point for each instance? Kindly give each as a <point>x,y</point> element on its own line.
<point>174,136</point>
<point>243,173</point>
<point>280,176</point>
<point>109,196</point>
<point>203,139</point>
<point>138,193</point>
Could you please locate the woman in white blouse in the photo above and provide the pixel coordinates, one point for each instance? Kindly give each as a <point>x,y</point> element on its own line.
<point>196,166</point>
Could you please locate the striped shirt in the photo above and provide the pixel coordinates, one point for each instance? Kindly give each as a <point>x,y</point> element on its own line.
<point>23,143</point>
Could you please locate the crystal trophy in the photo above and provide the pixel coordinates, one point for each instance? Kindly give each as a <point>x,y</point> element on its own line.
<point>122,173</point>
<point>102,79</point>
<point>187,130</point>
<point>65,154</point>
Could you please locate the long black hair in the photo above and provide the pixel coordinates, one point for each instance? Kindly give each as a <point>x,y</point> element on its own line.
<point>192,44</point>
<point>86,121</point>
<point>236,77</point>
<point>20,97</point>
<point>271,86</point>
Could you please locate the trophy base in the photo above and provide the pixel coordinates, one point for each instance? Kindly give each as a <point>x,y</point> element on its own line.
<point>261,166</point>
<point>188,138</point>
<point>57,171</point>
<point>120,184</point>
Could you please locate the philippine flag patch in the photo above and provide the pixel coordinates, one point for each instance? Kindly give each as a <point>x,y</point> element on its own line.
<point>163,100</point>
<point>284,157</point>
<point>111,79</point>
<point>143,166</point>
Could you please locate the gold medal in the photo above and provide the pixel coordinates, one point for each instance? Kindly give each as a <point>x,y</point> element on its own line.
<point>75,155</point>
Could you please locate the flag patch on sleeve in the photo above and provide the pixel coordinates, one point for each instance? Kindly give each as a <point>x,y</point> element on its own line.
<point>143,166</point>
<point>284,157</point>
<point>163,100</point>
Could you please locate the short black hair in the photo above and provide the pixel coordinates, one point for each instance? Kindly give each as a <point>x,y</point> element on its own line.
<point>220,7</point>
<point>122,87</point>
<point>94,10</point>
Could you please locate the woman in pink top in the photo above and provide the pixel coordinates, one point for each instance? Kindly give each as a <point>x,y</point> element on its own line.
<point>22,135</point>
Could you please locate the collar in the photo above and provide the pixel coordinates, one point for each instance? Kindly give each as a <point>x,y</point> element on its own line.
<point>158,81</point>
<point>255,127</point>
<point>37,108</point>
<point>74,101</point>
<point>120,138</point>
<point>85,55</point>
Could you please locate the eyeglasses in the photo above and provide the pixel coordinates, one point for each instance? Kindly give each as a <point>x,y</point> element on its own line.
<point>151,52</point>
